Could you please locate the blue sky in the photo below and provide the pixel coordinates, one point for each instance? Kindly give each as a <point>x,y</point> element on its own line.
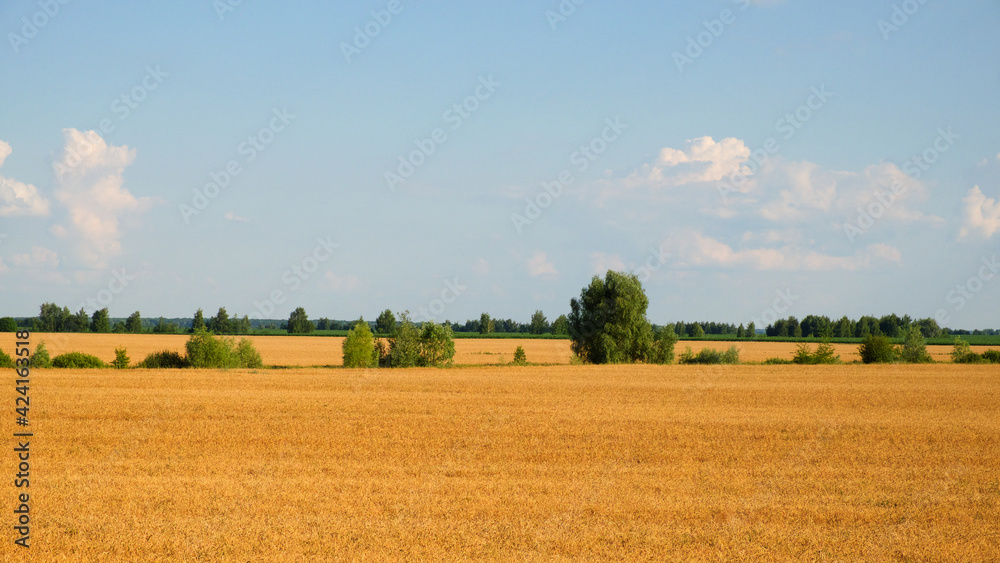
<point>746,159</point>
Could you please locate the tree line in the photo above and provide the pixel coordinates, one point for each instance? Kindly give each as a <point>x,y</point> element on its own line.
<point>892,326</point>
<point>52,318</point>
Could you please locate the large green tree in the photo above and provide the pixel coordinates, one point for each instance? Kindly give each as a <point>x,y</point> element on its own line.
<point>299,323</point>
<point>220,323</point>
<point>100,322</point>
<point>133,324</point>
<point>8,324</point>
<point>198,323</point>
<point>51,318</point>
<point>560,325</point>
<point>437,347</point>
<point>608,323</point>
<point>844,328</point>
<point>385,323</point>
<point>539,324</point>
<point>80,322</point>
<point>928,327</point>
<point>486,324</point>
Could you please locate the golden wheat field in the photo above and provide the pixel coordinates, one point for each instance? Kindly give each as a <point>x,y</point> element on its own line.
<point>319,351</point>
<point>659,463</point>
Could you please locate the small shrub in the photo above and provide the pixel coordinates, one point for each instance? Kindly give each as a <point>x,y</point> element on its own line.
<point>877,350</point>
<point>914,350</point>
<point>520,358</point>
<point>247,355</point>
<point>41,359</point>
<point>777,362</point>
<point>963,354</point>
<point>824,354</point>
<point>359,347</point>
<point>5,360</point>
<point>731,356</point>
<point>121,359</point>
<point>710,356</point>
<point>802,354</point>
<point>166,359</point>
<point>663,346</point>
<point>992,356</point>
<point>77,360</point>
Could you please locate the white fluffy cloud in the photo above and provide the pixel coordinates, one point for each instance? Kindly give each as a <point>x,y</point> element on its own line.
<point>742,185</point>
<point>982,214</point>
<point>693,249</point>
<point>91,187</point>
<point>18,198</point>
<point>540,267</point>
<point>701,160</point>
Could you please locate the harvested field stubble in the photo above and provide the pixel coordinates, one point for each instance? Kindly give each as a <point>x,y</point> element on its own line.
<point>682,463</point>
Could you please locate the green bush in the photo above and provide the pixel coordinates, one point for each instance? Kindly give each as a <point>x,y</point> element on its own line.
<point>247,355</point>
<point>41,359</point>
<point>77,360</point>
<point>520,358</point>
<point>404,345</point>
<point>963,354</point>
<point>802,354</point>
<point>877,350</point>
<point>5,360</point>
<point>430,345</point>
<point>8,324</point>
<point>914,349</point>
<point>437,345</point>
<point>777,362</point>
<point>166,359</point>
<point>662,351</point>
<point>824,354</point>
<point>731,356</point>
<point>359,347</point>
<point>121,359</point>
<point>992,356</point>
<point>204,350</point>
<point>710,356</point>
